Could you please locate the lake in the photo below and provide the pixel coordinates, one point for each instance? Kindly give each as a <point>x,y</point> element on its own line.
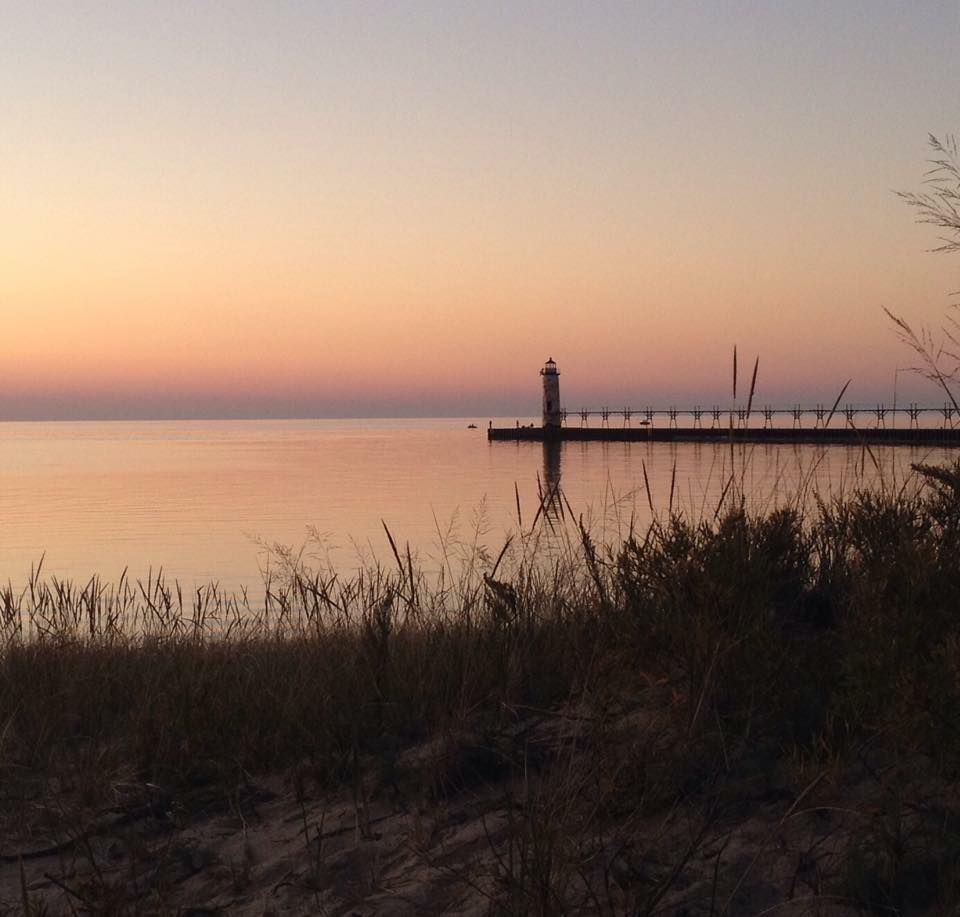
<point>206,500</point>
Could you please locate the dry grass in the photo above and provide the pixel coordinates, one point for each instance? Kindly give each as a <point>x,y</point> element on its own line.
<point>628,702</point>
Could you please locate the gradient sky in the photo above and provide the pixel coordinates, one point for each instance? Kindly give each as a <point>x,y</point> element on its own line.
<point>329,209</point>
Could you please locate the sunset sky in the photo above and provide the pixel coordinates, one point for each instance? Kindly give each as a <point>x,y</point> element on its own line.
<point>376,209</point>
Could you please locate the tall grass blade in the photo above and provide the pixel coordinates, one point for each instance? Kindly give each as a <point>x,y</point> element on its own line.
<point>833,410</point>
<point>646,484</point>
<point>734,372</point>
<point>753,387</point>
<point>673,483</point>
<point>393,546</point>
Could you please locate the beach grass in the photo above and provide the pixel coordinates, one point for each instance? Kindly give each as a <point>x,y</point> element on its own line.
<point>628,702</point>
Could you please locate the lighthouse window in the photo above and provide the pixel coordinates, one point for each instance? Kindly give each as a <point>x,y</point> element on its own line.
<point>549,405</point>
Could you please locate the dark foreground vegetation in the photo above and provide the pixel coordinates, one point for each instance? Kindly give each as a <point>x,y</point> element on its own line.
<point>739,715</point>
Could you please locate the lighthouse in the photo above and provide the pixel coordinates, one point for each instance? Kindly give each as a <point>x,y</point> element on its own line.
<point>552,416</point>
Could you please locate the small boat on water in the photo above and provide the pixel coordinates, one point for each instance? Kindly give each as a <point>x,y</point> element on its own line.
<point>471,426</point>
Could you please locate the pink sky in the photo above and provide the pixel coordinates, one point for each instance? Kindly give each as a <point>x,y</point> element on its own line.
<point>405,208</point>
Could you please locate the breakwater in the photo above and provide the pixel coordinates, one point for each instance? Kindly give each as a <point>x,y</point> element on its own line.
<point>850,436</point>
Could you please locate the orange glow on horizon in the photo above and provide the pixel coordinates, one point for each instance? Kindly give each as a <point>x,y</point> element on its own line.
<point>284,229</point>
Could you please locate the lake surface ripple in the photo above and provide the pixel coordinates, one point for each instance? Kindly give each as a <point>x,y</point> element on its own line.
<point>207,500</point>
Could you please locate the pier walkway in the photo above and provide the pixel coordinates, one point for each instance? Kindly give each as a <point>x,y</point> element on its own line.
<point>850,424</point>
<point>819,415</point>
<point>852,436</point>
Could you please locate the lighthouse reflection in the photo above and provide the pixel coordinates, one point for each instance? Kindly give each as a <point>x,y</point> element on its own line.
<point>550,497</point>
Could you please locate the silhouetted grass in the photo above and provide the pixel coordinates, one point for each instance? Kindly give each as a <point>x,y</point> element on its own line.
<point>632,701</point>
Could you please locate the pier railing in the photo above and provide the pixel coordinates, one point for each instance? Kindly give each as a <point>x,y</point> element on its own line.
<point>818,416</point>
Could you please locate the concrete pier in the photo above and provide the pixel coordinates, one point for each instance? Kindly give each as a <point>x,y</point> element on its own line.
<point>847,436</point>
<point>724,425</point>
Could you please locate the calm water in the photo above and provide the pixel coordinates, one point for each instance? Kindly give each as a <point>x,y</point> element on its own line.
<point>204,500</point>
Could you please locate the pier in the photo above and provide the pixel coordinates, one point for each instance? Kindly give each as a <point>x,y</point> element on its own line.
<point>850,436</point>
<point>878,424</point>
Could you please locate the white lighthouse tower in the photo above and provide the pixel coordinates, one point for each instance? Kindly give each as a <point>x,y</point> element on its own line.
<point>552,416</point>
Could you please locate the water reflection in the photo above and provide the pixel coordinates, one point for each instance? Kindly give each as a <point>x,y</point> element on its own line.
<point>200,499</point>
<point>550,498</point>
